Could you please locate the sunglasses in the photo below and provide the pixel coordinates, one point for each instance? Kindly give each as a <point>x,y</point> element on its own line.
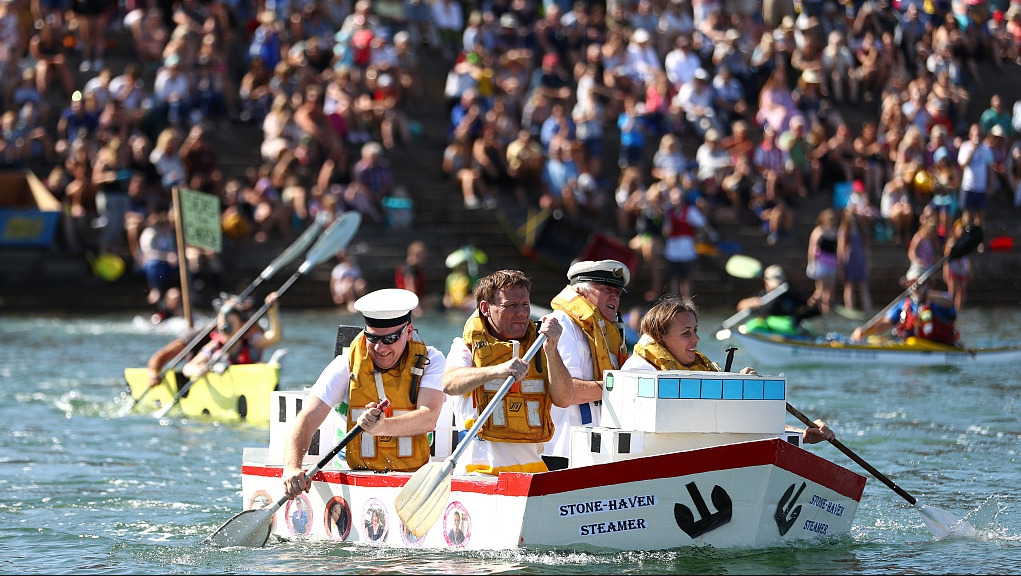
<point>387,339</point>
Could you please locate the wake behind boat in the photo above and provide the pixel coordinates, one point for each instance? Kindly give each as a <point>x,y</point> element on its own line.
<point>685,459</point>
<point>775,349</point>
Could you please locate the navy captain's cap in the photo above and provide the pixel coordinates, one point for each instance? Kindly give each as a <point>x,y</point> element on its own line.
<point>387,307</point>
<point>608,272</point>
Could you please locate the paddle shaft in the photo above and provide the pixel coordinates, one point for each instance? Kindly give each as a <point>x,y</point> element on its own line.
<point>337,236</point>
<point>285,258</point>
<point>225,349</point>
<point>311,472</point>
<point>766,299</point>
<point>266,514</point>
<point>971,239</point>
<point>488,410</point>
<point>850,454</point>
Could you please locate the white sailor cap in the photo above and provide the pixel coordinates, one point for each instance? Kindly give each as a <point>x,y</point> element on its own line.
<point>608,272</point>
<point>387,307</point>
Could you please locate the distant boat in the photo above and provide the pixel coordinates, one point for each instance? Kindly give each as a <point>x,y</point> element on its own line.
<point>772,349</point>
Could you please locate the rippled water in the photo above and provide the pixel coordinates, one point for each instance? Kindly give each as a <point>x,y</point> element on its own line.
<point>85,490</point>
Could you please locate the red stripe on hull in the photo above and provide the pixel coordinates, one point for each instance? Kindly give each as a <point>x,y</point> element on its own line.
<point>759,453</point>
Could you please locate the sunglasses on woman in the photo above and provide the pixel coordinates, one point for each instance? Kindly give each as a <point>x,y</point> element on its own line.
<point>387,339</point>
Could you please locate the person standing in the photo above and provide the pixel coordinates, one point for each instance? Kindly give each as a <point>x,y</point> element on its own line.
<point>588,309</point>
<point>487,352</point>
<point>976,161</point>
<point>681,224</point>
<point>822,258</point>
<point>386,360</point>
<point>853,254</point>
<point>669,341</point>
<point>410,275</point>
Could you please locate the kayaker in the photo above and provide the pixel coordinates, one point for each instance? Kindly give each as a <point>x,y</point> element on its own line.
<point>480,360</point>
<point>159,358</point>
<point>589,310</point>
<point>249,348</point>
<point>669,341</point>
<point>387,359</point>
<point>786,312</point>
<point>926,314</point>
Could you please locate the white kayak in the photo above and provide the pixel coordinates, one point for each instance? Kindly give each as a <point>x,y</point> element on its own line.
<point>771,349</point>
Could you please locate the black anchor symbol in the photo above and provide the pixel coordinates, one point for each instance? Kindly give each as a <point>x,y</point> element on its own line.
<point>709,521</point>
<point>783,522</point>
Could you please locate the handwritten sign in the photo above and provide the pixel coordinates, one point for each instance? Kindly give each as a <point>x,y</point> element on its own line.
<point>201,219</point>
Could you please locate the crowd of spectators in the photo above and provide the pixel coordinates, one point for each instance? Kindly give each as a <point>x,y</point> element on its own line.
<point>724,111</point>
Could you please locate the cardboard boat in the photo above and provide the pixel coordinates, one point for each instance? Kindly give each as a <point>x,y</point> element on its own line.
<point>682,459</point>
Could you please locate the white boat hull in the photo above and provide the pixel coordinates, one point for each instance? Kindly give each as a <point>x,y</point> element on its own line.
<point>776,350</point>
<point>749,494</point>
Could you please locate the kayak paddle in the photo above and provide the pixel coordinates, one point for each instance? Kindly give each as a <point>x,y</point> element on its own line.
<point>940,522</point>
<point>743,315</point>
<point>335,238</point>
<point>422,500</point>
<point>252,528</point>
<point>742,266</point>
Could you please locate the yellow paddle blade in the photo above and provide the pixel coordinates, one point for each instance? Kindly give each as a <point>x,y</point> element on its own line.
<point>422,500</point>
<point>741,266</point>
<point>109,267</point>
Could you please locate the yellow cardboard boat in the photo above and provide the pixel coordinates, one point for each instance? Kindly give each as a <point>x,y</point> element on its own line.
<point>240,394</point>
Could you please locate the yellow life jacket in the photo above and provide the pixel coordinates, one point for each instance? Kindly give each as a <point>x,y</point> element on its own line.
<point>662,359</point>
<point>524,413</point>
<point>605,340</point>
<point>400,453</point>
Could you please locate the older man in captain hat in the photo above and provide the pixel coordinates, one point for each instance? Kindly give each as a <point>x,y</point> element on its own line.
<point>593,341</point>
<point>386,360</point>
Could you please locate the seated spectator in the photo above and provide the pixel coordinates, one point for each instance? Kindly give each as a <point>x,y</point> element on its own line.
<point>51,67</point>
<point>525,162</point>
<point>458,167</point>
<point>346,281</point>
<point>372,180</point>
<point>157,250</point>
<point>895,207</point>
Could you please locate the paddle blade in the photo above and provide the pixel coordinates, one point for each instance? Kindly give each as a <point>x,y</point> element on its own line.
<point>336,237</point>
<point>422,500</point>
<point>968,242</point>
<point>849,313</point>
<point>250,529</point>
<point>294,250</point>
<point>742,266</point>
<point>943,524</point>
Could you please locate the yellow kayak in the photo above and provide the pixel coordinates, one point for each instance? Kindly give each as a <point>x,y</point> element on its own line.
<point>240,394</point>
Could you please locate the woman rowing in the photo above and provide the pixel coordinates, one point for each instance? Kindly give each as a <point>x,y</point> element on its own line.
<point>669,341</point>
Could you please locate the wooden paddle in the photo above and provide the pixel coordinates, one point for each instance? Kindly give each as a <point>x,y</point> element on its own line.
<point>422,500</point>
<point>252,528</point>
<point>743,315</point>
<point>968,242</point>
<point>940,522</point>
<point>335,238</point>
<point>742,266</point>
<point>288,256</point>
